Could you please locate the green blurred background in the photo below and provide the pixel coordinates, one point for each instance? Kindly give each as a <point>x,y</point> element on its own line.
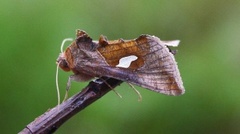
<point>208,59</point>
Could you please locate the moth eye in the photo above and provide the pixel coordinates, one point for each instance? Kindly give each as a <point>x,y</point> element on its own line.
<point>63,64</point>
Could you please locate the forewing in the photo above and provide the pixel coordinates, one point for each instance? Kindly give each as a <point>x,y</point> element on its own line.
<point>155,67</point>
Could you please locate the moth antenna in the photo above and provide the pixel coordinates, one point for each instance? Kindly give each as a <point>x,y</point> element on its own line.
<point>57,86</point>
<point>64,41</point>
<point>58,92</point>
<point>119,95</point>
<point>139,94</point>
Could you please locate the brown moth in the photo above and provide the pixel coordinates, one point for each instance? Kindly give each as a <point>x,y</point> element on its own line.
<point>145,61</point>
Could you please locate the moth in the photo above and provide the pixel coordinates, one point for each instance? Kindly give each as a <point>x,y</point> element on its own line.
<point>145,61</point>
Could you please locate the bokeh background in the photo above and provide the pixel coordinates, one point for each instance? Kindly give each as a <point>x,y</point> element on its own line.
<point>208,58</point>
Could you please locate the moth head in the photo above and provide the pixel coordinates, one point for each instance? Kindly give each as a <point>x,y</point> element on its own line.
<point>62,62</point>
<point>62,58</point>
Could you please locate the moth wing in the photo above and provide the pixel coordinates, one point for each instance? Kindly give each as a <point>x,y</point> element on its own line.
<point>159,71</point>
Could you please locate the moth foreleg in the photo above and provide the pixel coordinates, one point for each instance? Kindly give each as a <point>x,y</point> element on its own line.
<point>77,78</point>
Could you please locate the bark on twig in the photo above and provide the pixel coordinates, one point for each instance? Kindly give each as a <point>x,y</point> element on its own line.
<point>51,120</point>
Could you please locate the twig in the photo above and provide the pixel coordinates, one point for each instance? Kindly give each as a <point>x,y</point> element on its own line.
<point>51,120</point>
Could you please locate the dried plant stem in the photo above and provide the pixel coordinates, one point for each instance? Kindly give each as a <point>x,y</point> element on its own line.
<point>51,120</point>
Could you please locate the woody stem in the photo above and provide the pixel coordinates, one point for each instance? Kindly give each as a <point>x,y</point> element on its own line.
<point>51,120</point>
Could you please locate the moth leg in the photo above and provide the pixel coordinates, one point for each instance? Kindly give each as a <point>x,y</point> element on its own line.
<point>70,79</point>
<point>119,95</point>
<point>77,78</point>
<point>111,88</point>
<point>139,95</point>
